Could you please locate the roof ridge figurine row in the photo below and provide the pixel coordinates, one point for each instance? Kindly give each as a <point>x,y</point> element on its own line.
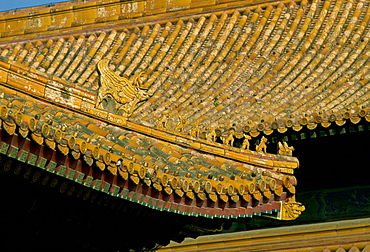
<point>228,140</point>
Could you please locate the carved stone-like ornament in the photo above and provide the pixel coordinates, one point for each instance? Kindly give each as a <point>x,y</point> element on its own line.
<point>126,94</point>
<point>291,210</point>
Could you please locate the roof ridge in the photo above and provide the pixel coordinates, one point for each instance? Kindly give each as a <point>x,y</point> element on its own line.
<point>72,18</point>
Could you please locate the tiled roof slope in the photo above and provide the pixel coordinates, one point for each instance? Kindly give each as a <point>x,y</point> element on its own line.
<point>256,69</point>
<point>225,65</point>
<point>141,168</point>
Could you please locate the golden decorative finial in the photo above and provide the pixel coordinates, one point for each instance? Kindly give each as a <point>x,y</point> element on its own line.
<point>262,146</point>
<point>125,93</point>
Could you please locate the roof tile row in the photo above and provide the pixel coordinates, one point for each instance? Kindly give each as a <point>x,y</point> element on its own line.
<point>140,160</point>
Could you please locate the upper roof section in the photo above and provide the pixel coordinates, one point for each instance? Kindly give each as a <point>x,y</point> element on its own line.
<point>142,74</point>
<point>217,65</point>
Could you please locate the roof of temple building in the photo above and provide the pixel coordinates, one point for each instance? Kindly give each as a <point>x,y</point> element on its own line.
<point>255,68</point>
<point>161,102</point>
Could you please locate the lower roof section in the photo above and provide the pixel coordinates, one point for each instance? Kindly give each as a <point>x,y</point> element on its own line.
<point>340,236</point>
<point>143,169</point>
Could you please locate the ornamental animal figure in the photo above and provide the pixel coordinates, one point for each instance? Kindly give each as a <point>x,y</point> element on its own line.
<point>288,149</point>
<point>211,136</point>
<point>125,93</point>
<point>181,124</point>
<point>229,139</point>
<point>195,132</point>
<point>284,149</point>
<point>292,210</point>
<point>162,122</point>
<point>262,146</point>
<point>246,144</point>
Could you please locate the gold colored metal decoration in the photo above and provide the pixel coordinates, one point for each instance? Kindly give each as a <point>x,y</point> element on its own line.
<point>235,198</point>
<point>179,192</point>
<point>125,93</point>
<point>229,139</point>
<point>181,124</point>
<point>147,182</point>
<point>247,197</point>
<point>100,165</point>
<point>262,146</point>
<point>257,195</point>
<point>284,149</point>
<point>246,144</point>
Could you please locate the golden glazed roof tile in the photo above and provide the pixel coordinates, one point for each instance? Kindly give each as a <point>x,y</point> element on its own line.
<point>226,73</point>
<point>137,159</point>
